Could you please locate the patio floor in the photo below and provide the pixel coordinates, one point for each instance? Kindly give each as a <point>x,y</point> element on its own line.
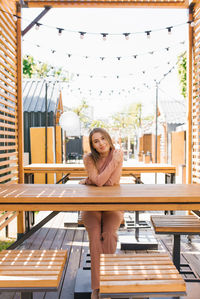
<point>55,235</point>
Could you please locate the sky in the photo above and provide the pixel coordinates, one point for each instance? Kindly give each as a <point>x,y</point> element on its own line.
<point>114,73</point>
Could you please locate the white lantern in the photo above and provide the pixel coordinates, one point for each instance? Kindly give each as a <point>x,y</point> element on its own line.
<point>70,123</point>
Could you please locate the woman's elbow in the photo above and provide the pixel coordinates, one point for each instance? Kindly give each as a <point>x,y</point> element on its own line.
<point>99,184</point>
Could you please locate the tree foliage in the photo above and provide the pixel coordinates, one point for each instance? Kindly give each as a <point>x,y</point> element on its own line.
<point>98,124</point>
<point>33,69</point>
<point>130,118</point>
<point>28,66</point>
<point>182,73</point>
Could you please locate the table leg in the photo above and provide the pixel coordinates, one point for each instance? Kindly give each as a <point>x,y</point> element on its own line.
<point>137,225</point>
<point>176,251</point>
<point>26,295</point>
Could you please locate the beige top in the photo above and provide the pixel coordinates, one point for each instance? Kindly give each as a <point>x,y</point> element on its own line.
<point>105,172</point>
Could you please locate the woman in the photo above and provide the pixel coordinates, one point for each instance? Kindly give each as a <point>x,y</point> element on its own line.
<point>103,165</point>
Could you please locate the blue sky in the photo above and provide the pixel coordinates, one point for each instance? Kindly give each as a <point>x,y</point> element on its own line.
<point>95,74</point>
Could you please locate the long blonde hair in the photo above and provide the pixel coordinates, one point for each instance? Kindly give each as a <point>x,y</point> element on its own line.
<point>95,155</point>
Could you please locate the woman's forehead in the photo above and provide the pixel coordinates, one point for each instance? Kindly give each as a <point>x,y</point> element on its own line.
<point>97,135</point>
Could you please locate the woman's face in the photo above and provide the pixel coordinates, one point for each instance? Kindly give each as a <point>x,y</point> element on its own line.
<point>100,143</point>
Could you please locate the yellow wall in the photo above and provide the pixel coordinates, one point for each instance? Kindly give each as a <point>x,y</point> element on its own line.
<point>37,138</point>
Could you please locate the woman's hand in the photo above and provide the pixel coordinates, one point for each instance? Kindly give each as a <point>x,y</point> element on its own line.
<point>118,155</point>
<point>82,182</point>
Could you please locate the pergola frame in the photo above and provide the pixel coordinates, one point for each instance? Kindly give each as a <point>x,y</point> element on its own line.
<point>11,74</point>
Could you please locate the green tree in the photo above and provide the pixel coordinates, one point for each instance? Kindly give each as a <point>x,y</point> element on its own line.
<point>129,118</point>
<point>28,66</point>
<point>182,73</point>
<point>82,112</point>
<point>98,124</point>
<point>42,70</point>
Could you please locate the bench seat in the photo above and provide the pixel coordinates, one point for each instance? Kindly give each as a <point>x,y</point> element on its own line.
<point>31,270</point>
<point>142,275</point>
<point>176,225</point>
<point>184,224</point>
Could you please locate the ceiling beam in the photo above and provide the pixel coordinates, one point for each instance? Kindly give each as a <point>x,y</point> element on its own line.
<point>47,8</point>
<point>111,3</point>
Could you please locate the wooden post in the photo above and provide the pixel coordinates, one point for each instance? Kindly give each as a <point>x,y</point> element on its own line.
<point>189,103</point>
<point>21,215</point>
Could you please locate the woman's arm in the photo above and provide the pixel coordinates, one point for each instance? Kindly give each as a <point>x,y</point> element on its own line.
<point>103,178</point>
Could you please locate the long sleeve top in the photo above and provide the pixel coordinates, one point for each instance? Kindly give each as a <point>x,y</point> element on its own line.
<point>105,172</point>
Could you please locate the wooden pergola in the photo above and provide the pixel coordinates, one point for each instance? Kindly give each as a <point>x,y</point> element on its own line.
<point>11,110</point>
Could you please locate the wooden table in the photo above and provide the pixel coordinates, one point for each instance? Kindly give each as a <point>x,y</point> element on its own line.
<point>78,170</point>
<point>70,197</point>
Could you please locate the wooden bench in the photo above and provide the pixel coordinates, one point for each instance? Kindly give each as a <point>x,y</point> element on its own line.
<point>177,226</point>
<point>139,275</point>
<point>29,271</point>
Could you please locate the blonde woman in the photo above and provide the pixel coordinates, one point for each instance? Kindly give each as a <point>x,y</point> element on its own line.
<point>103,166</point>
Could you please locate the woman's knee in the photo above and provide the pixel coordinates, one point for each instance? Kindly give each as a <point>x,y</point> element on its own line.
<point>91,219</point>
<point>112,221</point>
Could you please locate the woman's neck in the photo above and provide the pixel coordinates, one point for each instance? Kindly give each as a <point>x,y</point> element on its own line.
<point>104,155</point>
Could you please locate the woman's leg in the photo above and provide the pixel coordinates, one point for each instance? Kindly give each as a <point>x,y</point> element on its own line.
<point>92,222</point>
<point>111,221</point>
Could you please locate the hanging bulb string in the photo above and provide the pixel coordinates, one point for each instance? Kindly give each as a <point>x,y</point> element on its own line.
<point>105,35</point>
<point>144,72</point>
<point>102,58</point>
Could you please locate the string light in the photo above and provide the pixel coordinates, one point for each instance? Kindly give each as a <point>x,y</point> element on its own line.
<point>104,35</point>
<point>60,30</point>
<point>126,35</point>
<point>15,18</point>
<point>169,29</point>
<point>148,33</point>
<point>37,26</point>
<point>192,24</point>
<point>82,34</point>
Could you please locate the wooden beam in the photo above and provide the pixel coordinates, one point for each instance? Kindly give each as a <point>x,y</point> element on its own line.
<point>19,99</point>
<point>47,8</point>
<point>189,102</point>
<point>109,4</point>
<point>21,216</point>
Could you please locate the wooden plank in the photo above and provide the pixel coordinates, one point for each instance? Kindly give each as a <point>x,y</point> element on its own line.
<point>155,286</point>
<point>114,4</point>
<point>10,215</point>
<point>73,264</point>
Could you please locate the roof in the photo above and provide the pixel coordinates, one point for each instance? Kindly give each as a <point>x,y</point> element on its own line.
<point>34,95</point>
<point>172,111</point>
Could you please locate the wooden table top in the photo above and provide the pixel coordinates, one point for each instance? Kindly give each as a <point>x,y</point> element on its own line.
<point>70,197</point>
<point>134,169</point>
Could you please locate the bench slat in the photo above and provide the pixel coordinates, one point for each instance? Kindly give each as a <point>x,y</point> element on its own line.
<point>138,271</point>
<point>156,276</point>
<point>158,286</point>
